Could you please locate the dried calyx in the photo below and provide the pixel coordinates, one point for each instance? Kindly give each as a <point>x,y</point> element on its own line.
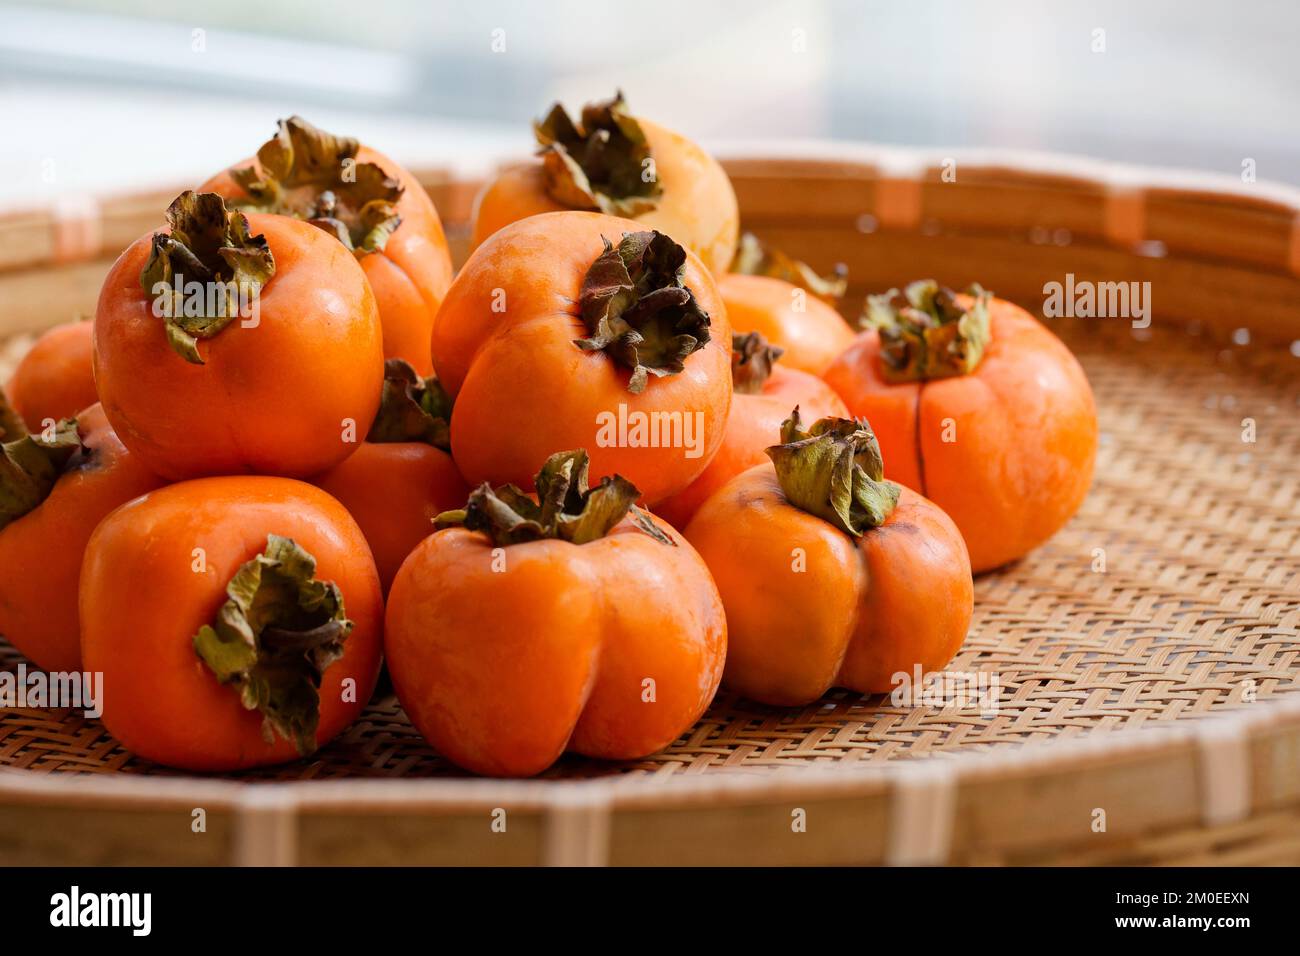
<point>31,464</point>
<point>754,258</point>
<point>565,507</point>
<point>412,409</point>
<point>312,175</point>
<point>752,358</point>
<point>603,164</point>
<point>637,309</point>
<point>274,638</point>
<point>208,248</point>
<point>834,471</point>
<point>926,333</point>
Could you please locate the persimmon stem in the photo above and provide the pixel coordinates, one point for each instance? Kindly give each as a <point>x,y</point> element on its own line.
<point>31,464</point>
<point>752,359</point>
<point>207,244</point>
<point>637,309</point>
<point>756,258</point>
<point>274,638</point>
<point>926,333</point>
<point>565,506</point>
<point>309,174</point>
<point>834,471</point>
<point>602,164</point>
<point>412,409</point>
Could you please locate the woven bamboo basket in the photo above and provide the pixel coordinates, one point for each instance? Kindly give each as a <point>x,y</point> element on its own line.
<point>1149,710</point>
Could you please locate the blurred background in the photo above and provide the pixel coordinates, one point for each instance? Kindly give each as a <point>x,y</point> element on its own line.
<point>107,95</point>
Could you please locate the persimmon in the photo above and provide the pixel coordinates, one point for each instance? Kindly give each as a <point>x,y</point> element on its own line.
<point>55,379</point>
<point>236,621</point>
<point>788,303</point>
<point>831,575</point>
<point>403,476</point>
<point>574,330</point>
<point>765,391</point>
<point>377,209</point>
<point>612,162</point>
<point>810,332</point>
<point>229,344</point>
<point>56,485</point>
<point>977,406</point>
<point>521,630</point>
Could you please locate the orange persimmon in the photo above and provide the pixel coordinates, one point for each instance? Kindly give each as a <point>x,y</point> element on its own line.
<point>573,330</point>
<point>56,378</point>
<point>980,408</point>
<point>614,163</point>
<point>55,487</point>
<point>788,302</point>
<point>403,476</point>
<point>373,206</point>
<point>765,391</point>
<point>831,576</point>
<point>236,621</point>
<point>229,344</point>
<point>520,630</point>
<point>810,332</point>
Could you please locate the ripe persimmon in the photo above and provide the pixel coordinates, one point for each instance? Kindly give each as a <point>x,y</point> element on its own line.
<point>403,476</point>
<point>56,485</point>
<point>615,163</point>
<point>236,621</point>
<point>373,206</point>
<point>977,406</point>
<point>765,391</point>
<point>788,303</point>
<point>266,358</point>
<point>810,332</point>
<point>573,330</point>
<point>522,630</point>
<point>56,378</point>
<point>831,575</point>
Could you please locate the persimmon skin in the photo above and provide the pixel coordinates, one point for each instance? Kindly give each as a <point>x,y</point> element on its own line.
<point>409,276</point>
<point>697,208</point>
<point>859,611</point>
<point>503,347</point>
<point>55,379</point>
<point>503,670</point>
<point>394,490</point>
<point>40,553</point>
<point>283,397</point>
<point>753,424</point>
<point>1024,430</point>
<point>142,602</point>
<point>811,332</point>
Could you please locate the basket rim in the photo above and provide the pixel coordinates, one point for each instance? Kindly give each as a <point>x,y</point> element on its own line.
<point>910,162</point>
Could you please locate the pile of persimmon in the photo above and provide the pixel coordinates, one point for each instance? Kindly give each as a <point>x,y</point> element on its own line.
<point>622,457</point>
